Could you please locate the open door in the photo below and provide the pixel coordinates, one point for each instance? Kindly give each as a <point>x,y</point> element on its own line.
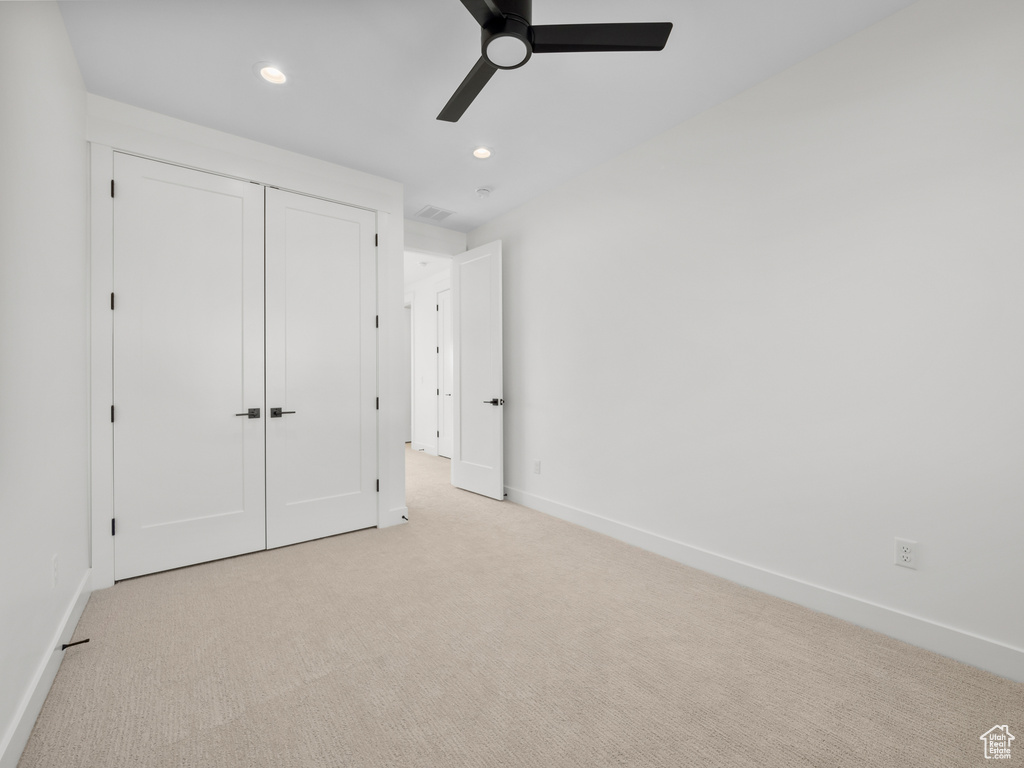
<point>477,452</point>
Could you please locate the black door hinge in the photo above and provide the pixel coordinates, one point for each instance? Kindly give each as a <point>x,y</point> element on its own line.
<point>439,392</point>
<point>111,299</point>
<point>378,403</point>
<point>437,307</point>
<point>439,350</point>
<point>113,526</point>
<point>438,433</point>
<point>376,322</point>
<point>111,187</point>
<point>111,414</point>
<point>378,485</point>
<point>376,240</point>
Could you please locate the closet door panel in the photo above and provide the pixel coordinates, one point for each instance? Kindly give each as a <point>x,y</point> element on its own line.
<point>321,368</point>
<point>188,356</point>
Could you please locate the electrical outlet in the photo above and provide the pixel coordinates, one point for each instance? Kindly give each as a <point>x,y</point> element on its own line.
<point>907,553</point>
<point>536,467</point>
<point>54,584</point>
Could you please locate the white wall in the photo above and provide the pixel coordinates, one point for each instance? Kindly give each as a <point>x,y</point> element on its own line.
<point>43,362</point>
<point>425,360</point>
<point>427,238</point>
<point>783,333</point>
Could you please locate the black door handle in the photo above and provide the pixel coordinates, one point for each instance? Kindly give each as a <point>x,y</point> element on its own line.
<point>277,413</point>
<point>495,401</point>
<point>252,413</point>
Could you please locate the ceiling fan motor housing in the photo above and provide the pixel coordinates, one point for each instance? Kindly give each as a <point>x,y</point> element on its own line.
<point>508,39</point>
<point>520,9</point>
<point>506,44</point>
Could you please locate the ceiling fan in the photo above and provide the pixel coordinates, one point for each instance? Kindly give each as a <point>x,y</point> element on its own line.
<point>508,39</point>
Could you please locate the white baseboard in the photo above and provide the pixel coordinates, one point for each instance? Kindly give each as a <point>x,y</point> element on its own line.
<point>980,652</point>
<point>31,705</point>
<point>397,516</point>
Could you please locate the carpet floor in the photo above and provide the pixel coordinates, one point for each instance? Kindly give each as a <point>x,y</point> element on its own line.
<point>487,634</point>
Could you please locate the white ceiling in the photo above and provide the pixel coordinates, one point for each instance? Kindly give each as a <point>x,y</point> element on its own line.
<point>368,77</point>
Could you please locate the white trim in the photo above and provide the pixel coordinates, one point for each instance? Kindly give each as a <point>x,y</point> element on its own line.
<point>409,300</point>
<point>378,299</point>
<point>14,741</point>
<point>391,307</point>
<point>159,137</point>
<point>969,648</point>
<point>395,517</point>
<point>101,363</point>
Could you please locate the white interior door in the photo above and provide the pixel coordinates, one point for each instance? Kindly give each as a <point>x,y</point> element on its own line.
<point>445,373</point>
<point>321,368</point>
<point>477,451</point>
<point>188,357</point>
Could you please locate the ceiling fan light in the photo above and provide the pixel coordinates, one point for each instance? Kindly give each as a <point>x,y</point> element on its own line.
<point>507,51</point>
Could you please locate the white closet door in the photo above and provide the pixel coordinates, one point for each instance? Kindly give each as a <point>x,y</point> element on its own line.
<point>321,368</point>
<point>188,356</point>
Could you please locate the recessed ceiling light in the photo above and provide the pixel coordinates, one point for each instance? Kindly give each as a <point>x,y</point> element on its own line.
<point>483,192</point>
<point>272,74</point>
<point>482,153</point>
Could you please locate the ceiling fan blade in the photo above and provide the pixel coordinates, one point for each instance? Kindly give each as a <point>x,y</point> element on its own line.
<point>486,12</point>
<point>582,38</point>
<point>467,91</point>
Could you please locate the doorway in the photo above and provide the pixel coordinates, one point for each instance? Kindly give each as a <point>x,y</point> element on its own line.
<point>427,284</point>
<point>456,384</point>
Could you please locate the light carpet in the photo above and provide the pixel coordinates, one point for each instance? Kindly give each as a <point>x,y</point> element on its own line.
<point>487,634</point>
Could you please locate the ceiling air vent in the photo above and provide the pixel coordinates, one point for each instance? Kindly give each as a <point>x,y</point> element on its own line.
<point>433,213</point>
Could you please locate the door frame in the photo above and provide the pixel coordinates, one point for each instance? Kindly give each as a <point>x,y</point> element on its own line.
<point>443,349</point>
<point>409,302</point>
<point>117,127</point>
